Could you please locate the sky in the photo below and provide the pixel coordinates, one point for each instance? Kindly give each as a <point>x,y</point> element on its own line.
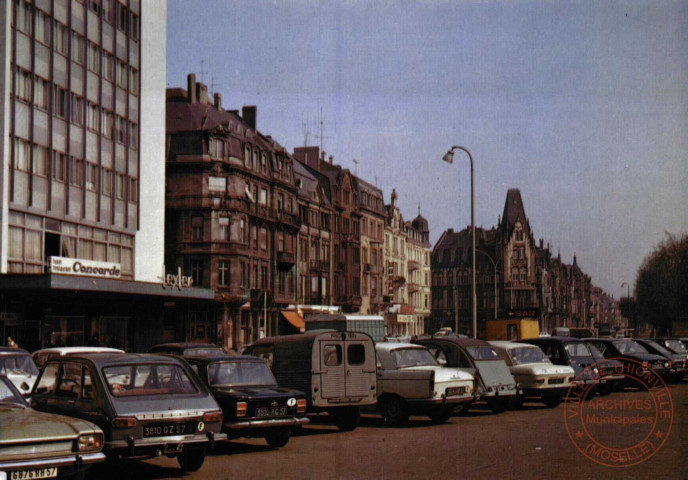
<point>582,105</point>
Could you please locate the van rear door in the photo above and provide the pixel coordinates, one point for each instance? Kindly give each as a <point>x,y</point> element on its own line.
<point>329,367</point>
<point>360,367</point>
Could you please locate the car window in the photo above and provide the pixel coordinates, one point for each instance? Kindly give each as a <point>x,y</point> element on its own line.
<point>147,379</point>
<point>577,349</point>
<point>525,355</point>
<point>48,381</point>
<point>240,373</point>
<point>554,353</point>
<point>483,353</point>
<point>332,355</point>
<point>69,383</point>
<point>266,352</point>
<point>602,348</point>
<point>629,347</point>
<point>17,364</point>
<point>412,357</point>
<point>355,354</point>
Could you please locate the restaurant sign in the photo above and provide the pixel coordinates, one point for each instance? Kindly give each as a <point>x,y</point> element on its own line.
<point>84,268</point>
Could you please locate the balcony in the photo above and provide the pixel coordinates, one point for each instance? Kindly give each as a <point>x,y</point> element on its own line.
<point>413,287</point>
<point>398,280</point>
<point>320,265</point>
<point>413,265</point>
<point>286,258</point>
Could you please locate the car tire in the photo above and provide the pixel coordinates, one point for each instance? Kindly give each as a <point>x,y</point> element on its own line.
<point>551,401</point>
<point>346,418</point>
<point>605,389</point>
<point>394,410</point>
<point>516,401</point>
<point>192,459</point>
<point>441,415</point>
<point>498,404</point>
<point>278,438</point>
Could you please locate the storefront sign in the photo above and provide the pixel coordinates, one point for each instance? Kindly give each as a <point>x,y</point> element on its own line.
<point>179,281</point>
<point>84,268</point>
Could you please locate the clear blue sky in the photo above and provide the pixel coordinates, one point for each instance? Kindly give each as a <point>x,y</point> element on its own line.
<point>582,105</point>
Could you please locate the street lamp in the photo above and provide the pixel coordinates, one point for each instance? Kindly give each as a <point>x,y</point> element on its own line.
<point>494,264</point>
<point>449,158</point>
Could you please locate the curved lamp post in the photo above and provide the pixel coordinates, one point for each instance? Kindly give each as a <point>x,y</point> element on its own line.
<point>449,158</point>
<point>494,264</point>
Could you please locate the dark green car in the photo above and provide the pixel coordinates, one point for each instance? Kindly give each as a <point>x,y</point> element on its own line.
<point>43,445</point>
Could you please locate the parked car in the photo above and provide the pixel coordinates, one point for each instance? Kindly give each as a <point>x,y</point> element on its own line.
<point>623,349</point>
<point>43,445</point>
<point>535,373</point>
<point>186,349</point>
<point>336,370</point>
<point>42,356</point>
<point>677,362</point>
<point>494,383</point>
<point>146,405</point>
<point>674,345</point>
<point>252,403</point>
<point>571,352</point>
<point>611,371</point>
<point>411,382</point>
<point>17,365</point>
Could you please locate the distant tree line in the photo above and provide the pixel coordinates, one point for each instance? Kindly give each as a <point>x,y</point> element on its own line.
<point>662,285</point>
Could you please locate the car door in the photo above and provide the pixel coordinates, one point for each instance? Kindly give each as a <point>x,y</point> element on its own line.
<point>330,368</point>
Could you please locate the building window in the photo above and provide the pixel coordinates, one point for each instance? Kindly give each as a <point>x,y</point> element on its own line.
<point>92,117</point>
<point>94,6</point>
<point>22,85</point>
<point>93,57</point>
<point>134,26</point>
<point>197,228</point>
<point>119,186</point>
<point>108,66</point>
<point>23,21</point>
<point>264,277</point>
<point>59,165</point>
<point>108,123</point>
<point>42,27</point>
<point>223,273</point>
<point>77,111</point>
<point>22,154</point>
<point>280,241</point>
<point>60,99</point>
<point>133,190</point>
<point>121,130</point>
<point>40,160</point>
<point>217,148</point>
<point>224,228</point>
<point>61,38</point>
<point>122,17</point>
<point>133,135</point>
<point>76,172</point>
<point>197,272</point>
<point>121,74</point>
<point>91,177</point>
<point>263,199</point>
<point>254,277</point>
<point>77,48</point>
<point>107,182</point>
<point>134,81</point>
<point>40,94</point>
<point>107,10</point>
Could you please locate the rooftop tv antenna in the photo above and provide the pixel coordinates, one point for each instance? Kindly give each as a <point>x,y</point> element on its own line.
<point>202,70</point>
<point>322,125</point>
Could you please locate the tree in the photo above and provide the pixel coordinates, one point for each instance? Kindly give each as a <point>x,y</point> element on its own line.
<point>662,284</point>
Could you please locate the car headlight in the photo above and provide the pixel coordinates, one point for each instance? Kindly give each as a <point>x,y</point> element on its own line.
<point>92,441</point>
<point>667,364</point>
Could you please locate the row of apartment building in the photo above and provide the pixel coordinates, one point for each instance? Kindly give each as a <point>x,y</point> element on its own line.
<point>516,277</point>
<point>277,235</point>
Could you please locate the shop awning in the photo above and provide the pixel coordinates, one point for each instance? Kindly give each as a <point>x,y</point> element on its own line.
<point>295,319</point>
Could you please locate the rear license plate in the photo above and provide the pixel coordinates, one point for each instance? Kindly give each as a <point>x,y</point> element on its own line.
<point>455,391</point>
<point>47,472</point>
<point>271,411</point>
<point>165,429</point>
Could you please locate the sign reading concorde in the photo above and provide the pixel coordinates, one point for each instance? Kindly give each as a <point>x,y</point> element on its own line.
<point>84,268</point>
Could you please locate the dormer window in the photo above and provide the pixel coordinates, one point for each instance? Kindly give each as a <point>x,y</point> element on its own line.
<point>518,232</point>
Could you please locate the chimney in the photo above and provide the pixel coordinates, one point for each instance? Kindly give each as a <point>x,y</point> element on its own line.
<point>191,87</point>
<point>249,113</point>
<point>218,101</point>
<point>330,159</point>
<point>202,93</point>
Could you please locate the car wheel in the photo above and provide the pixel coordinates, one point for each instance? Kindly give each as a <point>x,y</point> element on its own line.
<point>192,459</point>
<point>462,409</point>
<point>278,438</point>
<point>551,401</point>
<point>605,389</point>
<point>441,415</point>
<point>346,418</point>
<point>394,410</point>
<point>516,401</point>
<point>498,404</point>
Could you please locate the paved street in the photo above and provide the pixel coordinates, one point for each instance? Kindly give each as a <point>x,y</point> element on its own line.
<point>530,443</point>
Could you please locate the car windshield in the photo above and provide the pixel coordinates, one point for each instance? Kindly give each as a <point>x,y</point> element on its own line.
<point>629,347</point>
<point>483,353</point>
<point>412,357</point>
<point>524,355</point>
<point>659,348</point>
<point>17,364</point>
<point>577,349</point>
<point>9,396</point>
<point>676,346</point>
<point>147,379</point>
<point>240,373</point>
